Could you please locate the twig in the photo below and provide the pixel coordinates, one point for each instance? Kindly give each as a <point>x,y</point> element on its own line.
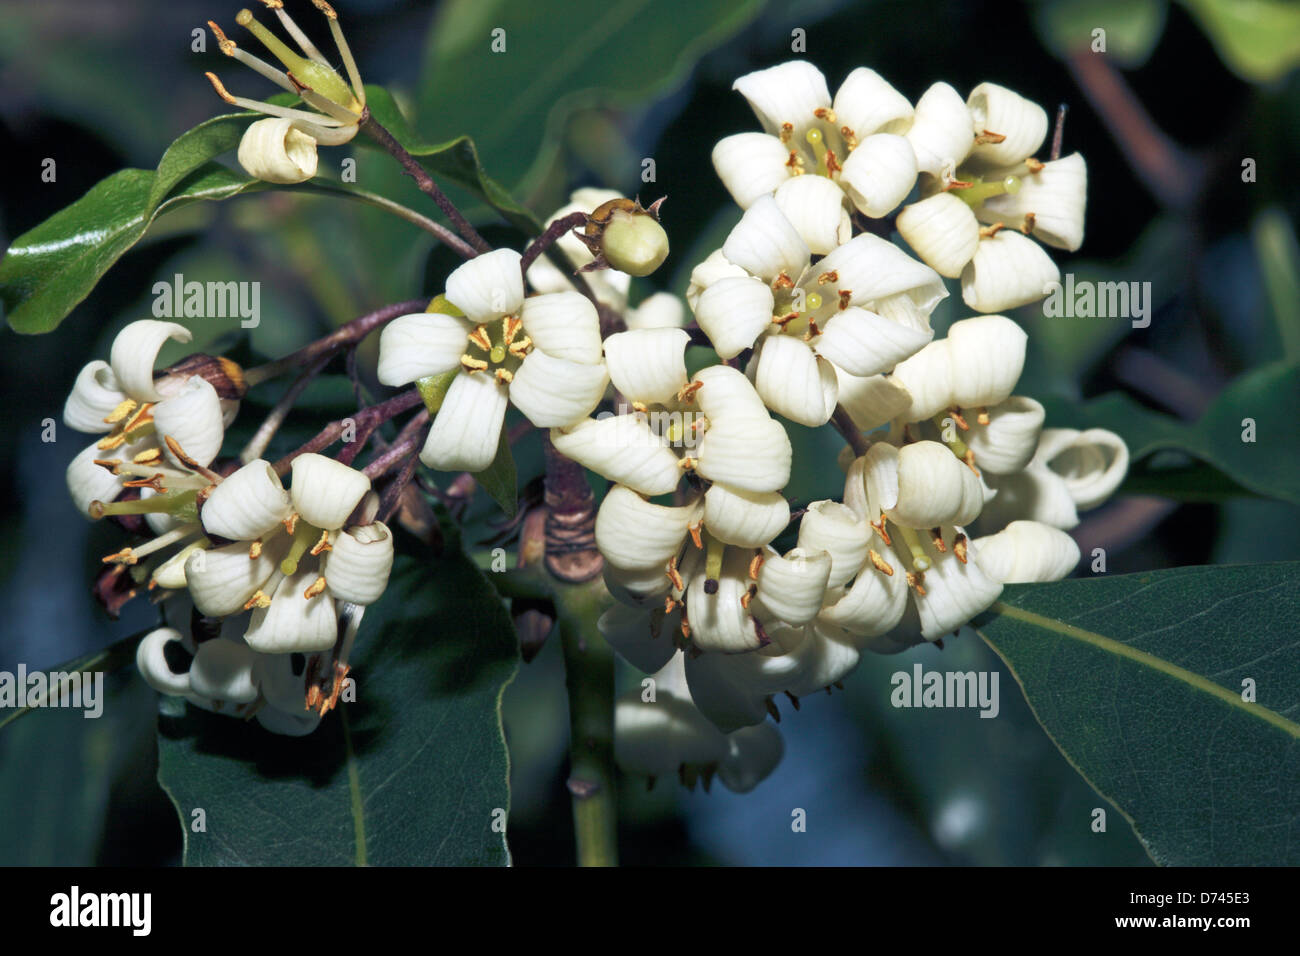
<point>553,234</point>
<point>334,430</point>
<point>266,431</point>
<point>1058,134</point>
<point>571,553</point>
<point>843,423</point>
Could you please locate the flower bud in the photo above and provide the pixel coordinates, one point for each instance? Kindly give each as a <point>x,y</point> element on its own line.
<point>273,151</point>
<point>630,237</point>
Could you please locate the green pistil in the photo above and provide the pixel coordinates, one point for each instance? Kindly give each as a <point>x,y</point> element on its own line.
<point>316,76</point>
<point>179,504</point>
<point>818,143</point>
<point>980,191</point>
<point>945,423</point>
<point>920,560</point>
<point>304,537</point>
<point>714,551</point>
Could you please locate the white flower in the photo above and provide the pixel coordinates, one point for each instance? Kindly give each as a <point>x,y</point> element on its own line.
<point>163,659</point>
<point>1071,471</point>
<point>543,354</point>
<point>850,145</point>
<point>975,366</point>
<point>1027,551</point>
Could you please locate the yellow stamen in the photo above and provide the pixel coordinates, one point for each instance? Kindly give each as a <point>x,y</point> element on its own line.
<point>259,599</point>
<point>316,588</point>
<point>880,564</point>
<point>124,408</point>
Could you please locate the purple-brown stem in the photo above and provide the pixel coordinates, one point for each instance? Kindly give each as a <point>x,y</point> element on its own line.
<point>844,425</point>
<point>571,553</point>
<point>364,420</point>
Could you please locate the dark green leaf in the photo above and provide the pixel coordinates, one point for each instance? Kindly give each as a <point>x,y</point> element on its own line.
<point>1140,680</point>
<point>192,149</point>
<point>1132,27</point>
<point>413,773</point>
<point>1259,39</point>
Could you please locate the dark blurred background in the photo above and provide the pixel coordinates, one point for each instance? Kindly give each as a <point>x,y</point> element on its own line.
<point>1164,119</point>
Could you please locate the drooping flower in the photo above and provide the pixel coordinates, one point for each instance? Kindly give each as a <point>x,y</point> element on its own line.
<point>282,148</point>
<point>543,354</point>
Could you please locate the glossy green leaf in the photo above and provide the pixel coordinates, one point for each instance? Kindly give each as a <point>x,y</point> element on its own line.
<point>1264,399</point>
<point>1258,39</point>
<point>1174,694</point>
<point>414,772</point>
<point>53,267</point>
<point>192,149</point>
<point>500,479</point>
<point>1132,27</point>
<point>557,58</point>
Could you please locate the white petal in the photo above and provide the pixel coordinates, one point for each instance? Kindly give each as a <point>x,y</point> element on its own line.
<point>731,689</point>
<point>872,269</point>
<point>927,378</point>
<point>879,174</point>
<point>753,753</point>
<point>247,504</point>
<point>662,310</point>
<point>709,271</point>
<point>648,365</point>
<point>879,475</point>
<point>787,93</point>
<point>488,286</point>
<point>1092,466</point>
<point>873,400</point>
<point>223,670</point>
<point>357,566</point>
<point>565,325</point>
<point>751,165</point>
<point>747,519</point>
<point>1035,494</point>
<point>794,382</point>
<point>633,533</point>
<point>293,622</point>
<point>791,587</point>
<point>467,429</point>
<point>657,737</point>
<point>134,352</point>
<point>765,243</point>
<point>725,392</point>
<point>325,492</point>
<point>866,103</point>
<point>1057,197</point>
<point>413,346</point>
<point>1008,270</point>
<point>875,603</point>
<point>1007,443</point>
<point>283,689</point>
<point>943,230</point>
<point>987,355</point>
<point>815,207</point>
<point>941,132</point>
<point>1027,552</point>
<point>221,580</point>
<point>826,654</point>
<point>750,454</point>
<point>171,573</point>
<point>834,528</point>
<point>642,588</point>
<point>89,482</point>
<point>623,449</point>
<point>718,621</point>
<point>643,638</point>
<point>996,109</point>
<point>733,313</point>
<point>93,397</point>
<point>864,343</point>
<point>153,663</point>
<point>553,392</point>
<point>274,151</point>
<point>934,488</point>
<point>192,417</point>
<point>954,593</point>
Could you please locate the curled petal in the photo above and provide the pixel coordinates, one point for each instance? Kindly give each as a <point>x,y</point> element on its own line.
<point>1092,464</point>
<point>787,93</point>
<point>565,325</point>
<point>825,653</point>
<point>751,165</point>
<point>623,449</point>
<point>872,269</point>
<point>223,670</point>
<point>324,491</point>
<point>940,132</point>
<point>282,679</point>
<point>863,343</point>
<point>954,593</point>
<point>1035,494</point>
<point>1006,444</point>
<point>93,397</point>
<point>791,587</point>
<point>719,622</point>
<point>488,286</point>
<point>934,488</point>
<point>866,103</point>
<point>553,392</point>
<point>987,356</point>
<point>733,313</point>
<point>288,724</point>
<point>747,519</point>
<point>731,690</point>
<point>193,418</point>
<point>642,588</point>
<point>426,343</point>
<point>794,381</point>
<point>1008,270</point>
<point>357,566</point>
<point>134,352</point>
<point>467,429</point>
<point>633,634</point>
<point>873,400</point>
<point>765,243</point>
<point>89,482</point>
<point>292,622</point>
<point>662,310</point>
<point>815,207</point>
<point>1056,196</point>
<point>713,268</point>
<point>657,737</point>
<point>221,580</point>
<point>1027,552</point>
<point>879,481</point>
<point>725,392</point>
<point>750,454</point>
<point>927,378</point>
<point>274,151</point>
<point>879,174</point>
<point>171,573</point>
<point>996,109</point>
<point>155,661</point>
<point>874,604</point>
<point>633,533</point>
<point>834,528</point>
<point>943,231</point>
<point>648,365</point>
<point>247,504</point>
